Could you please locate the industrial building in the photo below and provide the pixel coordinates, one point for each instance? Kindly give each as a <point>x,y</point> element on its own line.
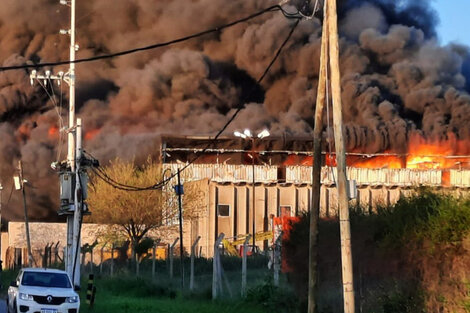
<point>223,172</point>
<point>282,176</point>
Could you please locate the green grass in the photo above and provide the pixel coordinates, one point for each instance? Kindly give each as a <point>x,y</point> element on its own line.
<point>106,302</point>
<point>141,296</point>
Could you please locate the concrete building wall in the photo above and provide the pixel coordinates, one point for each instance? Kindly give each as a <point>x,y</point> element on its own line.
<point>272,199</point>
<point>293,199</point>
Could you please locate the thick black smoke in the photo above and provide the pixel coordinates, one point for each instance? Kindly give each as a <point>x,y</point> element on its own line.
<point>397,81</point>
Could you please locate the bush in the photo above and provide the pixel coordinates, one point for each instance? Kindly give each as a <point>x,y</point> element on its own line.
<point>272,298</point>
<point>420,241</point>
<point>431,218</point>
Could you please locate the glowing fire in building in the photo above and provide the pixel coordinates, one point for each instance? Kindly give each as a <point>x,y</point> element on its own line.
<point>91,134</point>
<point>53,132</point>
<point>422,155</point>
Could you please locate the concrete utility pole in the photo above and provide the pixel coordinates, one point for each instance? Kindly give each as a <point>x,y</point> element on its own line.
<point>71,208</point>
<point>77,216</point>
<point>342,183</point>
<point>316,170</point>
<point>71,257</point>
<point>26,220</point>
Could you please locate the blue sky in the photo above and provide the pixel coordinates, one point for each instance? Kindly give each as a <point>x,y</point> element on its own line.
<point>454,18</point>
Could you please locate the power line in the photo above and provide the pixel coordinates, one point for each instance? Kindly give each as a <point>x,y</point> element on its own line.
<point>153,46</point>
<point>102,175</point>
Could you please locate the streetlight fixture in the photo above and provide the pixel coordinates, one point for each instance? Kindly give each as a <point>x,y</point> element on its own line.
<point>249,136</point>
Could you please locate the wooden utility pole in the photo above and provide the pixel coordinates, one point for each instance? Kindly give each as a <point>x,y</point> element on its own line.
<point>344,224</point>
<point>316,170</point>
<point>329,63</point>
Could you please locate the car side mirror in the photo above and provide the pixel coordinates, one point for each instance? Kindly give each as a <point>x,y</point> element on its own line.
<point>13,284</point>
<point>77,288</point>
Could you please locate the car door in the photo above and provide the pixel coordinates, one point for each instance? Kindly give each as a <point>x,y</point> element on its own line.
<point>13,292</point>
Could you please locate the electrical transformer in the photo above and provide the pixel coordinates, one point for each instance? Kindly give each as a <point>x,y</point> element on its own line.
<point>67,192</point>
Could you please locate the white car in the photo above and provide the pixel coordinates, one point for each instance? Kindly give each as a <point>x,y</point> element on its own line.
<point>41,290</point>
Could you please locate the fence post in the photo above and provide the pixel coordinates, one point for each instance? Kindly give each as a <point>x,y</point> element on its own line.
<point>101,258</point>
<point>56,252</point>
<point>112,260</point>
<point>245,244</point>
<point>154,256</point>
<point>50,253</point>
<point>91,260</point>
<point>171,256</point>
<point>193,252</point>
<point>215,267</point>
<point>277,258</point>
<point>44,258</point>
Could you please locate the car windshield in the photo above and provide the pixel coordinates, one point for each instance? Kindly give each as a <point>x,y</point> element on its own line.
<point>44,279</point>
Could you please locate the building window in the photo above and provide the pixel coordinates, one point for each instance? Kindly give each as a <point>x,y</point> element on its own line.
<point>223,210</point>
<point>285,210</point>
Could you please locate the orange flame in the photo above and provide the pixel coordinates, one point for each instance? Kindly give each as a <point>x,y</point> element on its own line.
<point>386,161</point>
<point>23,132</point>
<point>422,154</point>
<point>92,134</point>
<point>428,154</point>
<point>53,132</point>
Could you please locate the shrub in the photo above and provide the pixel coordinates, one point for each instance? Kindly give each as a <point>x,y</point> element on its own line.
<point>420,241</point>
<point>273,298</point>
<point>431,218</point>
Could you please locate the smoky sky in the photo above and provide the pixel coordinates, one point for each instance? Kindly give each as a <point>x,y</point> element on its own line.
<point>397,81</point>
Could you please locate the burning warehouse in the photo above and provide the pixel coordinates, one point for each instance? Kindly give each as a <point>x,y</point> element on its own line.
<point>224,169</point>
<point>399,86</point>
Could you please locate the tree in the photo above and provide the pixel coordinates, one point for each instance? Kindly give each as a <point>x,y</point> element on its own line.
<point>131,214</point>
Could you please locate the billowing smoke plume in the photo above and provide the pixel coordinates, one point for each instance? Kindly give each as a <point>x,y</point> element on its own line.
<point>397,81</point>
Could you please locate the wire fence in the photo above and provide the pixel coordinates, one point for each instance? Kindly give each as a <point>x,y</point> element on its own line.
<point>223,276</point>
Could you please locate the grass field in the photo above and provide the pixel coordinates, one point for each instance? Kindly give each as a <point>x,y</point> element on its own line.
<point>129,294</point>
<point>106,302</point>
<point>126,293</point>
